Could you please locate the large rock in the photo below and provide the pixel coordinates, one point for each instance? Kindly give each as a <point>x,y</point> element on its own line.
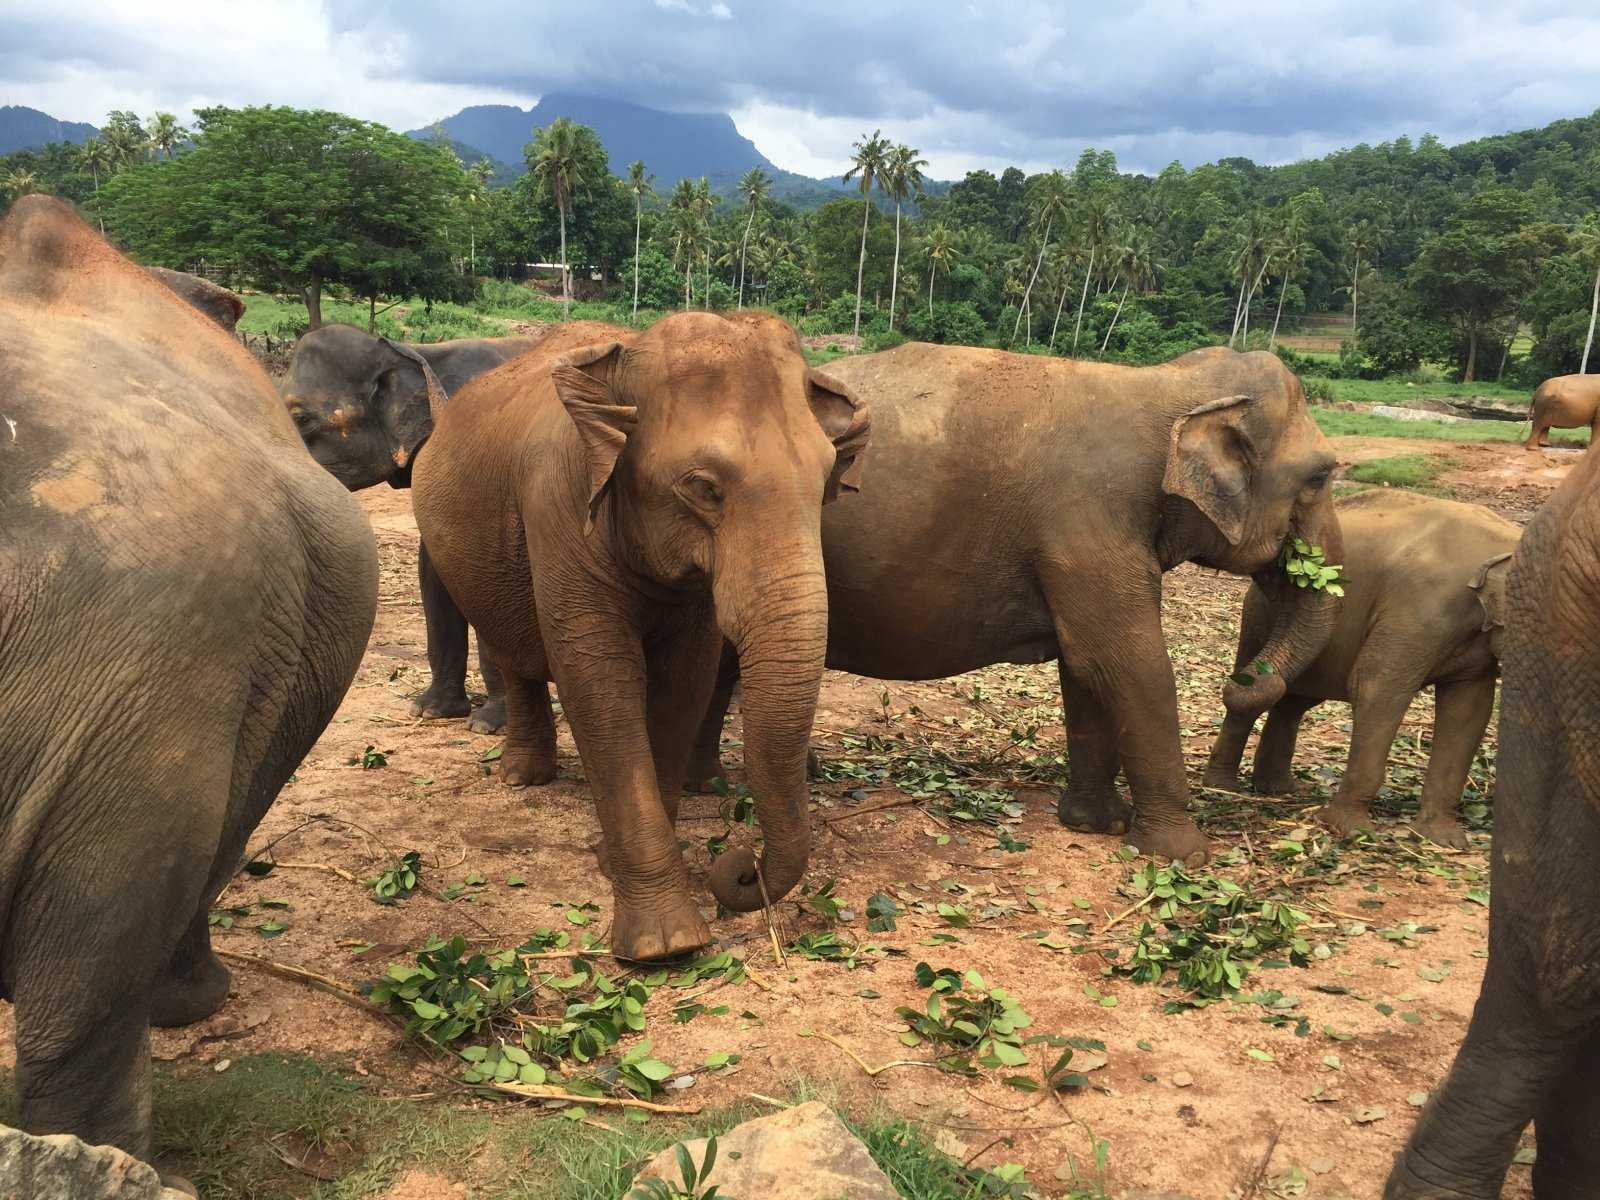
<point>60,1167</point>
<point>1413,414</point>
<point>801,1153</point>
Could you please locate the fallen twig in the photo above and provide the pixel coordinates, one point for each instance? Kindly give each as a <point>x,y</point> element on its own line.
<point>340,991</point>
<point>532,1091</point>
<point>1252,1183</point>
<point>312,866</point>
<point>872,1072</point>
<point>1127,912</point>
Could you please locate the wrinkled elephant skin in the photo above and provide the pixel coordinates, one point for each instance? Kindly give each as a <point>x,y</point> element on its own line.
<point>184,598</point>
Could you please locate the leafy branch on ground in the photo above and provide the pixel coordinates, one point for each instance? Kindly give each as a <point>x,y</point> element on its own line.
<point>398,880</point>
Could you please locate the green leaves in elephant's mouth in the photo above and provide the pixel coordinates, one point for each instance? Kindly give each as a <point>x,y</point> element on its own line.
<point>1258,669</point>
<point>1303,563</point>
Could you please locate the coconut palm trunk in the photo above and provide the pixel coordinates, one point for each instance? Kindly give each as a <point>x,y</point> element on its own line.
<point>1083,299</point>
<point>933,263</point>
<point>1061,303</point>
<point>894,278</point>
<point>1027,292</point>
<point>1282,288</point>
<point>1594,307</point>
<point>744,244</point>
<point>1238,312</point>
<point>566,277</point>
<point>861,262</point>
<point>638,220</point>
<point>1116,316</point>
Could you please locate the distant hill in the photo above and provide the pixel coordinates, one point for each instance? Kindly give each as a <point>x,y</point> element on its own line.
<point>22,128</point>
<point>673,146</point>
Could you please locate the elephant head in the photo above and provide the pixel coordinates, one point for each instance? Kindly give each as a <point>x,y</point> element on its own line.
<point>709,449</point>
<point>1245,470</point>
<point>217,302</point>
<point>363,405</point>
<point>1489,582</point>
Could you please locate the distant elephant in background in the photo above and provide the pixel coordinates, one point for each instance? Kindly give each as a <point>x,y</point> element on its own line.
<point>184,598</point>
<point>1023,509</point>
<point>361,403</point>
<point>1532,1051</point>
<point>607,514</point>
<point>1424,584</point>
<point>1564,402</point>
<point>217,302</point>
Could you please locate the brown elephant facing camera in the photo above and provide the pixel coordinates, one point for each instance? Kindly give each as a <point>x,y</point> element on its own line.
<point>660,491</point>
<point>1022,509</point>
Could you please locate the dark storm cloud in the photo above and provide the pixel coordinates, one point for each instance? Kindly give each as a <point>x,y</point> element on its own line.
<point>1041,74</point>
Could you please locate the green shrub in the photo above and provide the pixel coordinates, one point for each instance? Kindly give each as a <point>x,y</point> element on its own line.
<point>1318,391</point>
<point>882,339</point>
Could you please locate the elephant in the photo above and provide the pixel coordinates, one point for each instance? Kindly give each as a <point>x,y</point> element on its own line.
<point>216,302</point>
<point>605,514</point>
<point>1564,402</point>
<point>1532,1049</point>
<point>1023,509</point>
<point>1425,585</point>
<point>184,598</point>
<point>361,404</point>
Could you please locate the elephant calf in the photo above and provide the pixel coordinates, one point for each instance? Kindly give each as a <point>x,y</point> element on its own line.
<point>184,598</point>
<point>1423,583</point>
<point>364,405</point>
<point>1532,1051</point>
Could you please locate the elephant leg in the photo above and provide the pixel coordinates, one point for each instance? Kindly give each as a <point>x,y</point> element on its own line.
<point>705,760</point>
<point>194,984</point>
<point>1109,631</point>
<point>1273,773</point>
<point>1460,715</point>
<point>1090,800</point>
<point>1222,766</point>
<point>446,693</point>
<point>1567,1129</point>
<point>681,676</point>
<point>1515,1062</point>
<point>490,716</point>
<point>599,667</point>
<point>529,754</point>
<point>1378,704</point>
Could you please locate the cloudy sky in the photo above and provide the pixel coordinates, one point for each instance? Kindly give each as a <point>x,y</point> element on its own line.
<point>970,84</point>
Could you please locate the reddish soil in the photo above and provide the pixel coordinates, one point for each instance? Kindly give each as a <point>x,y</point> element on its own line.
<point>1183,1102</point>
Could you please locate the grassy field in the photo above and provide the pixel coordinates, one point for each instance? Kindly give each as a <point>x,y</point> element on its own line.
<point>242,1132</point>
<point>1357,424</point>
<point>1419,472</point>
<point>1400,391</point>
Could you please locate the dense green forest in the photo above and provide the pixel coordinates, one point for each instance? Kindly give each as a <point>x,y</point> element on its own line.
<point>1441,255</point>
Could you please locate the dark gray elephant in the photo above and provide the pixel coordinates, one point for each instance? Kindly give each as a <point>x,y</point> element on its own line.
<point>362,405</point>
<point>1425,585</point>
<point>1023,509</point>
<point>217,302</point>
<point>1532,1051</point>
<point>184,598</point>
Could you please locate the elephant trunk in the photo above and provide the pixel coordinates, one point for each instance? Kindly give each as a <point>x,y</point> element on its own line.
<point>1303,619</point>
<point>777,620</point>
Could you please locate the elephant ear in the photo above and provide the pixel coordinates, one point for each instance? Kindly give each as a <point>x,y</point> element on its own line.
<point>408,402</point>
<point>586,381</point>
<point>1490,584</point>
<point>1211,461</point>
<point>847,421</point>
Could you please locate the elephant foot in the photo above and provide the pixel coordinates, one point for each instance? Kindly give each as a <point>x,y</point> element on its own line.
<point>1219,779</point>
<point>1277,785</point>
<point>191,993</point>
<point>525,768</point>
<point>1100,811</point>
<point>1443,832</point>
<point>438,702</point>
<point>1181,842</point>
<point>488,717</point>
<point>1405,1183</point>
<point>664,928</point>
<point>1345,818</point>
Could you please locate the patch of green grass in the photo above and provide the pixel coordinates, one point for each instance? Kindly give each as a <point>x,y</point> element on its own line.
<point>1357,424</point>
<point>227,1131</point>
<point>1418,472</point>
<point>826,354</point>
<point>1399,391</point>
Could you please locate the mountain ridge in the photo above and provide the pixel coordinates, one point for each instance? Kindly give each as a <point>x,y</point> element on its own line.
<point>24,128</point>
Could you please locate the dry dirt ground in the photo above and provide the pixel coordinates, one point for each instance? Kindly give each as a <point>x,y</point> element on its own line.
<point>1196,1102</point>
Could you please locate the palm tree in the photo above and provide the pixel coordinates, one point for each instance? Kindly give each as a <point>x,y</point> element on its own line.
<point>684,213</point>
<point>1291,256</point>
<point>902,177</point>
<point>1094,225</point>
<point>867,163</point>
<point>478,175</point>
<point>641,185</point>
<point>1362,239</point>
<point>1136,263</point>
<point>705,205</point>
<point>96,155</point>
<point>19,182</point>
<point>1065,266</point>
<point>1049,205</point>
<point>1251,256</point>
<point>126,144</point>
<point>941,251</point>
<point>165,134</point>
<point>558,170</point>
<point>1587,237</point>
<point>753,187</point>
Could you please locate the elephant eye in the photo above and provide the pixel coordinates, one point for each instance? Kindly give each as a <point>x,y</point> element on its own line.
<point>700,490</point>
<point>304,419</point>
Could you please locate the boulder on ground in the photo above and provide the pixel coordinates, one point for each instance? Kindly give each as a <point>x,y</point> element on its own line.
<point>801,1153</point>
<point>61,1167</point>
<point>1412,414</point>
